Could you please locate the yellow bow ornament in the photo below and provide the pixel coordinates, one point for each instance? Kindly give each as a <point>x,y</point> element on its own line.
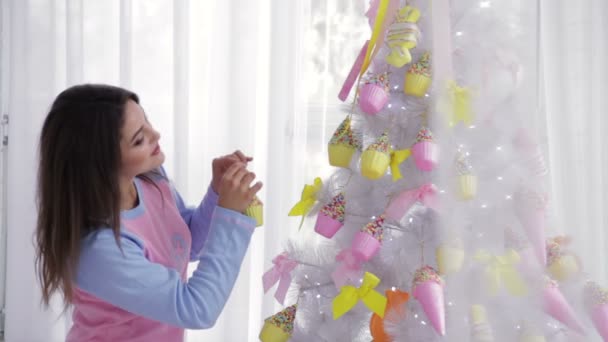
<point>456,104</point>
<point>307,200</point>
<point>500,269</point>
<point>350,295</point>
<point>398,157</point>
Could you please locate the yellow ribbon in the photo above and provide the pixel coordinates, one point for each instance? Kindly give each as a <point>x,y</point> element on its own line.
<point>458,107</point>
<point>307,200</point>
<point>350,295</point>
<point>500,269</point>
<point>398,157</point>
<point>376,32</point>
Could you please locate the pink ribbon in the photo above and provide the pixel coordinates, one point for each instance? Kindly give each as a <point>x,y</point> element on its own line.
<point>354,72</point>
<point>349,268</point>
<point>426,194</point>
<point>280,272</point>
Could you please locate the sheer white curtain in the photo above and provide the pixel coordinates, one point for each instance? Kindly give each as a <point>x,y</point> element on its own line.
<point>212,77</point>
<point>575,68</point>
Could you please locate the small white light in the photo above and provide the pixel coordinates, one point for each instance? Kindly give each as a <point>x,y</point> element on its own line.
<point>472,126</point>
<point>484,4</point>
<point>450,304</point>
<point>459,33</point>
<point>393,289</point>
<point>396,87</point>
<point>402,108</point>
<point>423,322</point>
<point>318,296</point>
<point>442,191</point>
<point>318,284</point>
<point>484,206</point>
<point>498,148</point>
<point>390,105</point>
<point>508,197</point>
<point>306,276</point>
<point>499,178</point>
<point>411,219</point>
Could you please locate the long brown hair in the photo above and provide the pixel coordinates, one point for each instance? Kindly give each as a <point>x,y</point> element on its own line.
<point>78,189</point>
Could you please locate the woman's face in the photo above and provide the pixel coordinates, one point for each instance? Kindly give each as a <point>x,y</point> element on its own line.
<point>139,148</point>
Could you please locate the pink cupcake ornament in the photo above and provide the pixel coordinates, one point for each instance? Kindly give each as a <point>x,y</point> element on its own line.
<point>374,94</point>
<point>428,290</point>
<point>331,217</point>
<point>367,241</point>
<point>425,150</point>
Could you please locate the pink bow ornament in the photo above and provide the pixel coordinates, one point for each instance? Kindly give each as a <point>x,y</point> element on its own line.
<point>281,273</point>
<point>349,268</point>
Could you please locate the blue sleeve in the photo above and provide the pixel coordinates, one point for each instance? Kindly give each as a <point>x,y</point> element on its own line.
<point>130,281</point>
<point>198,219</point>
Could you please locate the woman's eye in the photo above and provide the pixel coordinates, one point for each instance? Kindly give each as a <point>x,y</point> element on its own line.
<point>139,141</point>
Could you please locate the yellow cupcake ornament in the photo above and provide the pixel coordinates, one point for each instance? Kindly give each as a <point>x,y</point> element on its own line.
<point>255,210</point>
<point>343,144</point>
<point>279,327</point>
<point>467,181</point>
<point>376,158</point>
<point>561,264</point>
<point>418,77</point>
<point>481,331</point>
<point>450,257</point>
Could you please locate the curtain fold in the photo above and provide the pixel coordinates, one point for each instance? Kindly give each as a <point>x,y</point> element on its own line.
<point>575,68</point>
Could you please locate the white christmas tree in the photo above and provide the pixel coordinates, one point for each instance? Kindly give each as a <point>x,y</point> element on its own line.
<point>434,225</point>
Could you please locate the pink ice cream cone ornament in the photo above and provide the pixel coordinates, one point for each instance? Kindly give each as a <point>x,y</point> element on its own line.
<point>425,150</point>
<point>561,263</point>
<point>596,302</point>
<point>331,217</point>
<point>520,244</point>
<point>556,305</point>
<point>343,145</point>
<point>530,209</point>
<point>366,242</point>
<point>428,290</point>
<point>374,94</point>
<point>531,155</point>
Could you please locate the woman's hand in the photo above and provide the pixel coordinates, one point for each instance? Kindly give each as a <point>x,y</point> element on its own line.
<point>220,166</point>
<point>234,188</point>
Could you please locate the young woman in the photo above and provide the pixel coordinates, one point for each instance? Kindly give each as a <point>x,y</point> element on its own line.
<point>115,238</point>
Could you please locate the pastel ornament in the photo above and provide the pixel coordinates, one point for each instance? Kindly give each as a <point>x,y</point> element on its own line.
<point>561,264</point>
<point>279,327</point>
<point>331,217</point>
<point>403,35</point>
<point>367,241</point>
<point>343,145</point>
<point>500,271</point>
<point>418,77</point>
<point>531,155</point>
<point>349,296</point>
<point>376,158</point>
<point>450,256</point>
<point>521,245</point>
<point>374,94</point>
<point>428,290</point>
<point>255,210</point>
<point>481,331</point>
<point>395,304</point>
<point>530,209</point>
<point>280,273</point>
<point>596,303</point>
<point>556,305</point>
<point>425,150</point>
<point>426,194</point>
<point>467,181</point>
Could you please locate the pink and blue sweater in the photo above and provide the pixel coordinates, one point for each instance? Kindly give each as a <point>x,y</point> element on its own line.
<point>141,293</point>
